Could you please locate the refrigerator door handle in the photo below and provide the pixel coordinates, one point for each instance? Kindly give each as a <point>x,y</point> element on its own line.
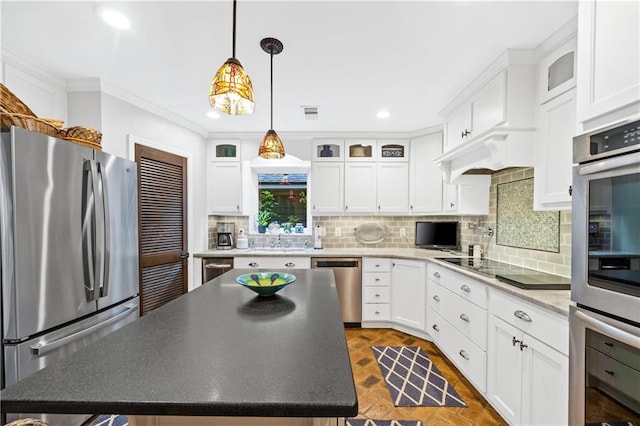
<point>89,184</point>
<point>42,348</point>
<point>104,285</point>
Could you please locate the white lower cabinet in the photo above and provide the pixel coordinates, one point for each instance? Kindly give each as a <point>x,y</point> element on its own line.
<point>528,380</point>
<point>456,318</point>
<point>271,262</point>
<point>376,290</point>
<point>408,289</point>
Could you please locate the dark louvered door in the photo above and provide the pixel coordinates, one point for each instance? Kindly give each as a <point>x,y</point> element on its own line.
<point>162,181</point>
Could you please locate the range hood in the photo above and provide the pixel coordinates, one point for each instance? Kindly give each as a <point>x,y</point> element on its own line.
<point>498,148</point>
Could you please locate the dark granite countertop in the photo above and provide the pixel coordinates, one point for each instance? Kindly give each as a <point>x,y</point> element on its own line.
<point>216,351</point>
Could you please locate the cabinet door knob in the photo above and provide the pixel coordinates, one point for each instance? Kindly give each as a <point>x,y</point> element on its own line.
<point>346,208</point>
<point>465,288</point>
<point>464,133</point>
<point>435,327</point>
<point>378,206</point>
<point>254,264</point>
<point>453,205</point>
<point>464,354</point>
<point>522,346</point>
<point>465,318</point>
<point>514,341</point>
<point>436,298</point>
<point>436,274</point>
<point>522,315</point>
<point>570,189</point>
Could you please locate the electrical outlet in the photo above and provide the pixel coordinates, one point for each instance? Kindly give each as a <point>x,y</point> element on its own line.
<point>338,231</point>
<point>403,232</point>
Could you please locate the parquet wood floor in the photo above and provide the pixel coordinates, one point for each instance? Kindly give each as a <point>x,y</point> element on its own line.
<point>373,397</point>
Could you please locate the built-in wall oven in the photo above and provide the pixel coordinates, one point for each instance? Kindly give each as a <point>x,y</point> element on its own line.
<point>604,352</point>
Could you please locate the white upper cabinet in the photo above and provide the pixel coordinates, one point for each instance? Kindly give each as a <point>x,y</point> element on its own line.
<point>425,178</point>
<point>224,188</point>
<point>484,110</point>
<point>327,150</point>
<point>557,72</point>
<point>554,153</point>
<point>469,195</point>
<point>392,188</point>
<point>360,187</point>
<point>224,178</point>
<point>327,180</point>
<point>608,60</point>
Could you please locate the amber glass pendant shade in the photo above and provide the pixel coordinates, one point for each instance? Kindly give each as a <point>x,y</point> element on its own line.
<point>271,146</point>
<point>231,89</point>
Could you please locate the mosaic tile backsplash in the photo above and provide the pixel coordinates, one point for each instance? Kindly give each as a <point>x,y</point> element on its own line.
<point>471,232</point>
<point>518,225</point>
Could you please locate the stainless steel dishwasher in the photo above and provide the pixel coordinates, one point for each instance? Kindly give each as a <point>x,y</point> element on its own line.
<point>348,276</point>
<point>215,266</point>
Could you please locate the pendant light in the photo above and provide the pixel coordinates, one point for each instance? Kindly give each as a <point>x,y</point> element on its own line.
<point>271,145</point>
<point>231,90</point>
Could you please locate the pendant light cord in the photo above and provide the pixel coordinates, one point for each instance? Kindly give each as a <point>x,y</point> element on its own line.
<point>233,49</point>
<point>271,55</point>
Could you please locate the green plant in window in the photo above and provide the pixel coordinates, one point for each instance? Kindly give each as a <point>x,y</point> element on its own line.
<point>293,219</point>
<point>266,208</point>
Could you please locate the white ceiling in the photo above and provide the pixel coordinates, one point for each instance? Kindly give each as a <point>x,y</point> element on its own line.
<point>349,58</point>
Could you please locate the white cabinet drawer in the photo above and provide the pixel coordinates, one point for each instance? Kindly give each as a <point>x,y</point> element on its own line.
<point>470,359</point>
<point>376,312</point>
<point>435,272</point>
<point>434,296</point>
<point>466,317</point>
<point>376,295</point>
<point>433,325</point>
<point>547,326</point>
<point>374,264</point>
<point>466,288</point>
<point>271,262</point>
<point>376,279</point>
<point>614,373</point>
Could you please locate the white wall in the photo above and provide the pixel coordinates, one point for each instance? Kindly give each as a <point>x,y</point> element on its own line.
<point>124,124</point>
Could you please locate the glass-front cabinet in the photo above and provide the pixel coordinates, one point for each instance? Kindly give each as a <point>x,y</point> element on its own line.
<point>360,150</point>
<point>328,150</point>
<point>225,150</point>
<point>393,150</point>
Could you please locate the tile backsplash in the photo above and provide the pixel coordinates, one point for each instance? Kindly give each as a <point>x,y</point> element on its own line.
<point>472,231</point>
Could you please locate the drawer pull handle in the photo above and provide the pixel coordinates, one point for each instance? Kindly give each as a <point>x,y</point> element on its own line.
<point>435,327</point>
<point>465,317</point>
<point>254,264</point>
<point>609,372</point>
<point>377,266</point>
<point>436,298</point>
<point>609,344</point>
<point>522,346</point>
<point>464,354</point>
<point>523,316</point>
<point>515,341</point>
<point>377,312</point>
<point>465,287</point>
<point>377,295</point>
<point>436,274</point>
<point>290,264</point>
<point>377,279</point>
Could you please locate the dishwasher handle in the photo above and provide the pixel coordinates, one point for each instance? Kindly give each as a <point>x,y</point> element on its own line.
<point>336,264</point>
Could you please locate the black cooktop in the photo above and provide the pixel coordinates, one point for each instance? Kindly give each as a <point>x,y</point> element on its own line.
<point>517,276</point>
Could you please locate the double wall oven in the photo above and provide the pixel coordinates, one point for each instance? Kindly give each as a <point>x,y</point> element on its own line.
<point>604,349</point>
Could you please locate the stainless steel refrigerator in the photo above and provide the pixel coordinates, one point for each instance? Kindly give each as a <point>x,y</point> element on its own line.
<point>69,251</point>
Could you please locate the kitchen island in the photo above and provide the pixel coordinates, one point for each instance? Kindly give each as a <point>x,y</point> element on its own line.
<point>220,351</point>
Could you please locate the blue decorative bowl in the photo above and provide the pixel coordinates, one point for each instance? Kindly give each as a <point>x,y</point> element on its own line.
<point>266,283</point>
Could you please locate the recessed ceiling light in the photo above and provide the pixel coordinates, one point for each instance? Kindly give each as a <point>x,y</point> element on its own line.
<point>382,114</point>
<point>114,18</point>
<point>213,114</point>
